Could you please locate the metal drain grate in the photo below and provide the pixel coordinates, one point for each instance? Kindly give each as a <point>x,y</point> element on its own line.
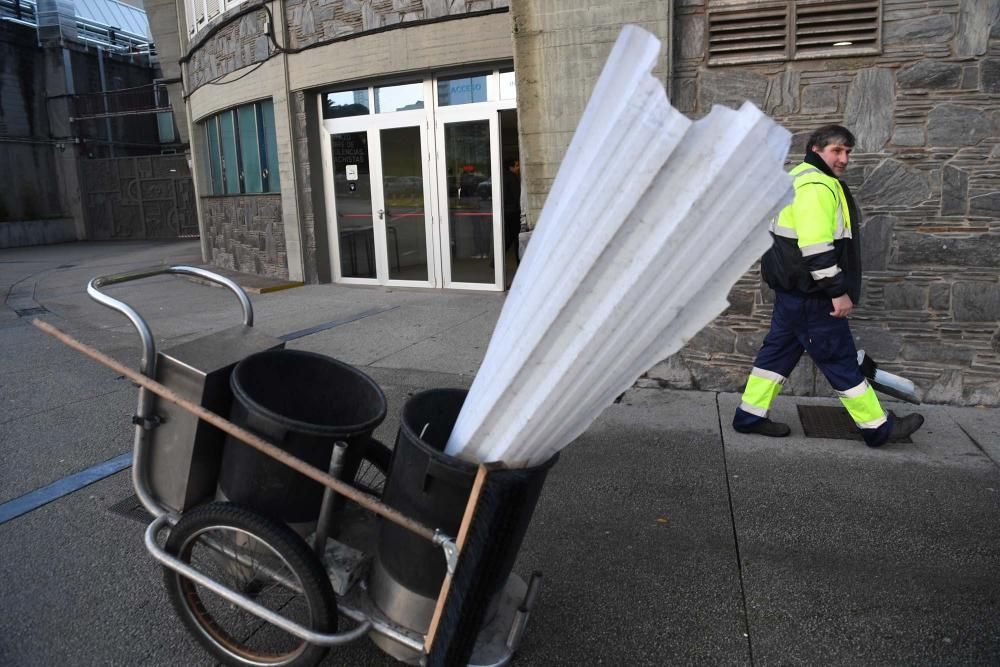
<point>131,508</point>
<point>824,421</point>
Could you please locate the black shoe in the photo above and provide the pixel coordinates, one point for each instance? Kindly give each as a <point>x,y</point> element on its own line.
<point>904,427</point>
<point>766,427</point>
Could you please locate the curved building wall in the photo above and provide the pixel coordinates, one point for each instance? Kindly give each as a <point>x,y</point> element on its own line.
<point>316,45</point>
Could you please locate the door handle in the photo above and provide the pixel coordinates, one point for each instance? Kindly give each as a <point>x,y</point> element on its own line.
<point>381,214</point>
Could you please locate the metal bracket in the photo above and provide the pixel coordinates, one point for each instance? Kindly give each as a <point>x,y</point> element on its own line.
<point>148,423</point>
<point>450,549</point>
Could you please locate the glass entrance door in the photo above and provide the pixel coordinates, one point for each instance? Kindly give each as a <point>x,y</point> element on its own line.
<point>380,198</point>
<point>352,188</point>
<point>404,207</point>
<point>470,231</point>
<point>414,181</point>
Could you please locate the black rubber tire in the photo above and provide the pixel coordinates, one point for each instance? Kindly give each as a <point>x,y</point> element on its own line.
<point>201,610</point>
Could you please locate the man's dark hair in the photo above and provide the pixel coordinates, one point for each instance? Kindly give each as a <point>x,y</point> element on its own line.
<point>510,162</point>
<point>830,134</point>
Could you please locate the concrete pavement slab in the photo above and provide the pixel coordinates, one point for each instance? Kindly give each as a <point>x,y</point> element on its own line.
<point>982,426</point>
<point>457,349</point>
<point>80,589</point>
<point>853,555</point>
<point>46,446</point>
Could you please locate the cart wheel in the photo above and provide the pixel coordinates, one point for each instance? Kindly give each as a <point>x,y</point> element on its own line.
<point>372,469</point>
<point>265,561</point>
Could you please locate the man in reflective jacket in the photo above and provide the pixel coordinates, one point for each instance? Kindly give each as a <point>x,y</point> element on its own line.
<point>814,267</point>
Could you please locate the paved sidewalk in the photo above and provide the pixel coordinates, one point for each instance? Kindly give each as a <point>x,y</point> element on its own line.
<point>664,536</point>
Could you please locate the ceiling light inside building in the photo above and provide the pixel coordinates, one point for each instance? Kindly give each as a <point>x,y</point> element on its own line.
<point>842,43</point>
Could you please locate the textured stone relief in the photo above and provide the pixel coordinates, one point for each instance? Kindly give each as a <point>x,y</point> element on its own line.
<point>240,43</point>
<point>312,21</point>
<point>245,233</point>
<point>138,198</point>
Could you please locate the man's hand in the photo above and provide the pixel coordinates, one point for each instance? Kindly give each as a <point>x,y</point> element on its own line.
<point>842,306</point>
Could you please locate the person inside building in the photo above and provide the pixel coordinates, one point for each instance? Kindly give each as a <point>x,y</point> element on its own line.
<point>511,202</point>
<point>814,268</point>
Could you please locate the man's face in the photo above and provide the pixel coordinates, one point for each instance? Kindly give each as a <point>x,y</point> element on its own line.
<point>516,167</point>
<point>836,157</point>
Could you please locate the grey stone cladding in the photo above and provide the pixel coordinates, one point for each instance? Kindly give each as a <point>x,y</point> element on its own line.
<point>238,44</point>
<point>927,173</point>
<point>313,21</point>
<point>245,233</point>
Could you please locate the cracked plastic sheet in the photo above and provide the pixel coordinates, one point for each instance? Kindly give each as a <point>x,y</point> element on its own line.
<point>649,223</point>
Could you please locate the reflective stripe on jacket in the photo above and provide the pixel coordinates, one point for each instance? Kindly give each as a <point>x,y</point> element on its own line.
<point>812,249</point>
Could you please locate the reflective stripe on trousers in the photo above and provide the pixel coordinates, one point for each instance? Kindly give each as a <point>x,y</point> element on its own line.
<point>801,324</point>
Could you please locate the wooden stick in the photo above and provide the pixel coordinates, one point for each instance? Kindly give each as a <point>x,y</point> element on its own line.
<point>365,500</point>
<point>463,533</point>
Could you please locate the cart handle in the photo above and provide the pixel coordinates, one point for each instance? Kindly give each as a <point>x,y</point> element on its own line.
<point>148,363</point>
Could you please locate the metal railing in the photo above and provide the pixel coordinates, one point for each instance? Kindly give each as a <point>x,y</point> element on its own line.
<point>150,98</point>
<point>90,32</point>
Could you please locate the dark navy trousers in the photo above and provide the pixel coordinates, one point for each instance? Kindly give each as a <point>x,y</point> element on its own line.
<point>800,323</point>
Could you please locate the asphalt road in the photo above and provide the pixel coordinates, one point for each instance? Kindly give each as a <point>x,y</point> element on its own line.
<point>664,537</point>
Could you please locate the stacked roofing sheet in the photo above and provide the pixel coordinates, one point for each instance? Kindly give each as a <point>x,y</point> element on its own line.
<point>651,220</point>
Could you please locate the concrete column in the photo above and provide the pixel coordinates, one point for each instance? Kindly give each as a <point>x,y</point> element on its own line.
<point>559,50</point>
<point>283,121</point>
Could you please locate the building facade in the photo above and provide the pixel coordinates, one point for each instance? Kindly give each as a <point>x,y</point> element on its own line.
<point>368,141</point>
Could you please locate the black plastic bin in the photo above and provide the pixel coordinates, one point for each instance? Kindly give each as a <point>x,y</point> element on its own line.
<point>434,488</point>
<point>303,403</point>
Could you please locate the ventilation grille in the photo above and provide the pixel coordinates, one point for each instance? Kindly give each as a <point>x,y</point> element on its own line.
<point>831,28</point>
<point>766,32</point>
<point>755,34</point>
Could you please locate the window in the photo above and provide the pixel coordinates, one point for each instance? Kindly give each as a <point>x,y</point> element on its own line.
<point>242,150</point>
<point>462,90</point>
<point>201,12</point>
<point>404,97</point>
<point>793,30</point>
<point>346,103</point>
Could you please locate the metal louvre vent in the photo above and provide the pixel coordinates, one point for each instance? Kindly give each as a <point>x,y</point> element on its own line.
<point>754,34</point>
<point>836,28</point>
<point>789,30</point>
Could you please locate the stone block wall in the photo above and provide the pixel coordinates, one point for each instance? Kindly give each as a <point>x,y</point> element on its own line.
<point>245,233</point>
<point>927,173</point>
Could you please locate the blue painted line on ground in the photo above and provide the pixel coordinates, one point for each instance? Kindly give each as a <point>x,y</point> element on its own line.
<point>63,487</point>
<point>335,323</point>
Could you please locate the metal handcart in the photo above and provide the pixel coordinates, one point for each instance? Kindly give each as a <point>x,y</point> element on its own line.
<point>409,547</point>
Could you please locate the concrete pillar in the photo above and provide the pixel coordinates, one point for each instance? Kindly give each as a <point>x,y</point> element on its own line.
<point>559,50</point>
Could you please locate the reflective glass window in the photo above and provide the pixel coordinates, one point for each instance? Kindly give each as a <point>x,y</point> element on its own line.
<point>403,97</point>
<point>214,156</point>
<point>462,90</point>
<point>250,168</point>
<point>270,144</point>
<point>230,162</point>
<point>346,103</point>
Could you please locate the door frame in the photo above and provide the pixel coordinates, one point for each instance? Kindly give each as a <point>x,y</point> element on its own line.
<point>431,121</point>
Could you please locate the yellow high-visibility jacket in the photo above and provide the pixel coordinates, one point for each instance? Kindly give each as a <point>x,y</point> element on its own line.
<point>815,244</point>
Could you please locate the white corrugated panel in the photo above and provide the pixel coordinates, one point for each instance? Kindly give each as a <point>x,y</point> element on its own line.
<point>651,220</point>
